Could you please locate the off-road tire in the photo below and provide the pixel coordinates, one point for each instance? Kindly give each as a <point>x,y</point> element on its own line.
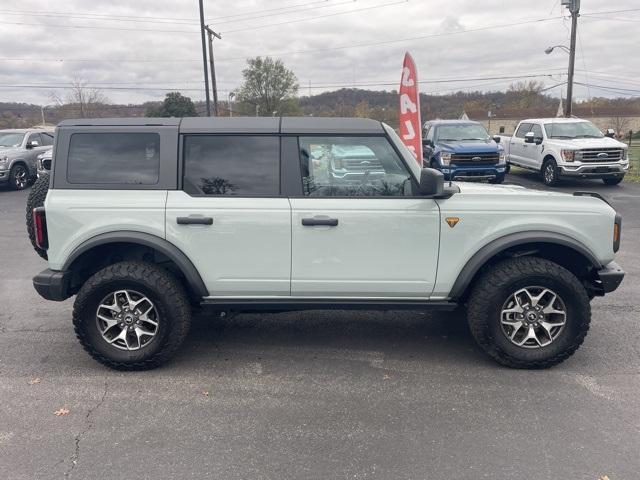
<point>550,179</point>
<point>36,198</point>
<point>612,181</point>
<point>161,287</point>
<point>493,288</point>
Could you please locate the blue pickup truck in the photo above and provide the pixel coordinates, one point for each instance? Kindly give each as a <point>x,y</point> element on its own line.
<point>463,150</point>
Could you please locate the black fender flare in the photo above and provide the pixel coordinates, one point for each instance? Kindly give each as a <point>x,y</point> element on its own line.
<point>482,256</point>
<point>148,240</point>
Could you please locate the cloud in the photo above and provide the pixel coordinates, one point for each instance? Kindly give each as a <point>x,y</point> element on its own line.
<point>59,48</point>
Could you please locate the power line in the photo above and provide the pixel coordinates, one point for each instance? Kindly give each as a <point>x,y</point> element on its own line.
<point>98,27</point>
<point>141,18</point>
<point>257,27</point>
<point>235,19</point>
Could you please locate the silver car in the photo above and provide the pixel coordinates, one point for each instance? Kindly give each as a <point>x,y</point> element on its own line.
<point>19,149</point>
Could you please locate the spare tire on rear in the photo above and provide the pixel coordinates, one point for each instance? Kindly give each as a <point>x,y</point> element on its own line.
<point>37,196</point>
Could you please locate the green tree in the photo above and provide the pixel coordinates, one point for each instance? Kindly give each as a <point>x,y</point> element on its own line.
<point>174,105</point>
<point>269,87</point>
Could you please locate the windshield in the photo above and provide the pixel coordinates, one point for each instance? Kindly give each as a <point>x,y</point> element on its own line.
<point>11,139</point>
<point>461,133</point>
<point>572,130</point>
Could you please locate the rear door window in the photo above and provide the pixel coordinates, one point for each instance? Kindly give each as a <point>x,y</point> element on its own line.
<point>114,158</point>
<point>232,165</point>
<point>46,139</point>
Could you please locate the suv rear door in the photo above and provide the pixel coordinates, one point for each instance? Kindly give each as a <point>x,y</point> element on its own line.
<point>229,217</point>
<point>357,233</point>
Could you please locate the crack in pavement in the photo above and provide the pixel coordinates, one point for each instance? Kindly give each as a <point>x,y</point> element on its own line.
<point>76,454</point>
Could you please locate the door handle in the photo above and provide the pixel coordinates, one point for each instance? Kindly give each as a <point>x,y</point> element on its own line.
<point>193,220</point>
<point>325,221</point>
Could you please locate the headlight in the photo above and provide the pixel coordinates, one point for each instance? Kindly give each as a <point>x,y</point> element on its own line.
<point>445,158</point>
<point>569,155</point>
<point>625,154</point>
<point>502,157</point>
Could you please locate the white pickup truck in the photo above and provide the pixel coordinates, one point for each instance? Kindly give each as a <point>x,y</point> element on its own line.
<point>566,147</point>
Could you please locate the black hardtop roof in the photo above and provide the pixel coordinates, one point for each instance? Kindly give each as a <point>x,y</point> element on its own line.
<point>290,125</point>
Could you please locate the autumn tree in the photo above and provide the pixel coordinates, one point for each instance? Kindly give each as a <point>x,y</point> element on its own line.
<point>86,100</point>
<point>525,94</point>
<point>269,88</point>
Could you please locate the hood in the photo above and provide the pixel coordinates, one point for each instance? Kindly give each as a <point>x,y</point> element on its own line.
<point>488,146</point>
<point>580,143</point>
<point>8,150</point>
<point>483,188</point>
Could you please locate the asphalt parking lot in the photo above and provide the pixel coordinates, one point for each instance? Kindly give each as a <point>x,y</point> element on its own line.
<point>317,395</point>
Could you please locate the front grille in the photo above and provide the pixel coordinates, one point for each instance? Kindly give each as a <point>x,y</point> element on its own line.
<point>601,154</point>
<point>475,158</point>
<point>362,164</point>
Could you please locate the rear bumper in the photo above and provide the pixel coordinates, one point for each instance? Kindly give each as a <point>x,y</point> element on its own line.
<point>52,285</point>
<point>610,276</point>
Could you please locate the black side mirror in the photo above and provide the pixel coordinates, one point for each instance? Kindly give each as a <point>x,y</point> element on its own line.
<point>611,133</point>
<point>32,144</point>
<point>496,138</point>
<point>431,182</point>
<point>529,137</point>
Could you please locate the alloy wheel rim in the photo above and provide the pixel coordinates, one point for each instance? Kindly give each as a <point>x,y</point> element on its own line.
<point>549,174</point>
<point>533,317</point>
<point>20,177</point>
<point>127,320</point>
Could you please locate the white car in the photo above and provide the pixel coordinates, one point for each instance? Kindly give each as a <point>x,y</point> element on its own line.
<point>145,220</point>
<point>566,147</point>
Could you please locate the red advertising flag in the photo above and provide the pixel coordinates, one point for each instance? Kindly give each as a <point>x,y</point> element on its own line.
<point>409,113</point>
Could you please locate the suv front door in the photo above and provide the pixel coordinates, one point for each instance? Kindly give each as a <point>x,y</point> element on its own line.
<point>229,218</point>
<point>517,145</point>
<point>358,231</point>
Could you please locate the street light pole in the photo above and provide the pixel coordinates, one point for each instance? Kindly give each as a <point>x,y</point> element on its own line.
<point>231,95</point>
<point>574,8</point>
<point>204,59</point>
<point>214,87</point>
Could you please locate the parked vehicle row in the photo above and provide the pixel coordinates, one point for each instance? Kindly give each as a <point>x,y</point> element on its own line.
<point>142,222</point>
<point>566,148</point>
<point>19,149</point>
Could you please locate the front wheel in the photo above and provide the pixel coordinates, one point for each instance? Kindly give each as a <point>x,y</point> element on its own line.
<point>549,173</point>
<point>19,177</point>
<point>612,180</point>
<point>131,316</point>
<point>529,312</point>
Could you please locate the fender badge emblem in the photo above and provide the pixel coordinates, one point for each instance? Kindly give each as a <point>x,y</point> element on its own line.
<point>452,221</point>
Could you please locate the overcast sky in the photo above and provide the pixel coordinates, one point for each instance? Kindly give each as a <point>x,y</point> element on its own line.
<point>328,44</point>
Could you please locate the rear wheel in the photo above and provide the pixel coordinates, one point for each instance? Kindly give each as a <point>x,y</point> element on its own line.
<point>132,316</point>
<point>19,177</point>
<point>550,173</point>
<point>612,180</point>
<point>529,312</point>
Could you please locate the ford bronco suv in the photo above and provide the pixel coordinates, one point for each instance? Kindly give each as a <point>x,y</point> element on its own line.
<point>146,219</point>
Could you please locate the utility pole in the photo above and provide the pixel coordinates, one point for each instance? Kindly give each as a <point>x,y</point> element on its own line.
<point>204,60</point>
<point>214,87</point>
<point>574,8</point>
